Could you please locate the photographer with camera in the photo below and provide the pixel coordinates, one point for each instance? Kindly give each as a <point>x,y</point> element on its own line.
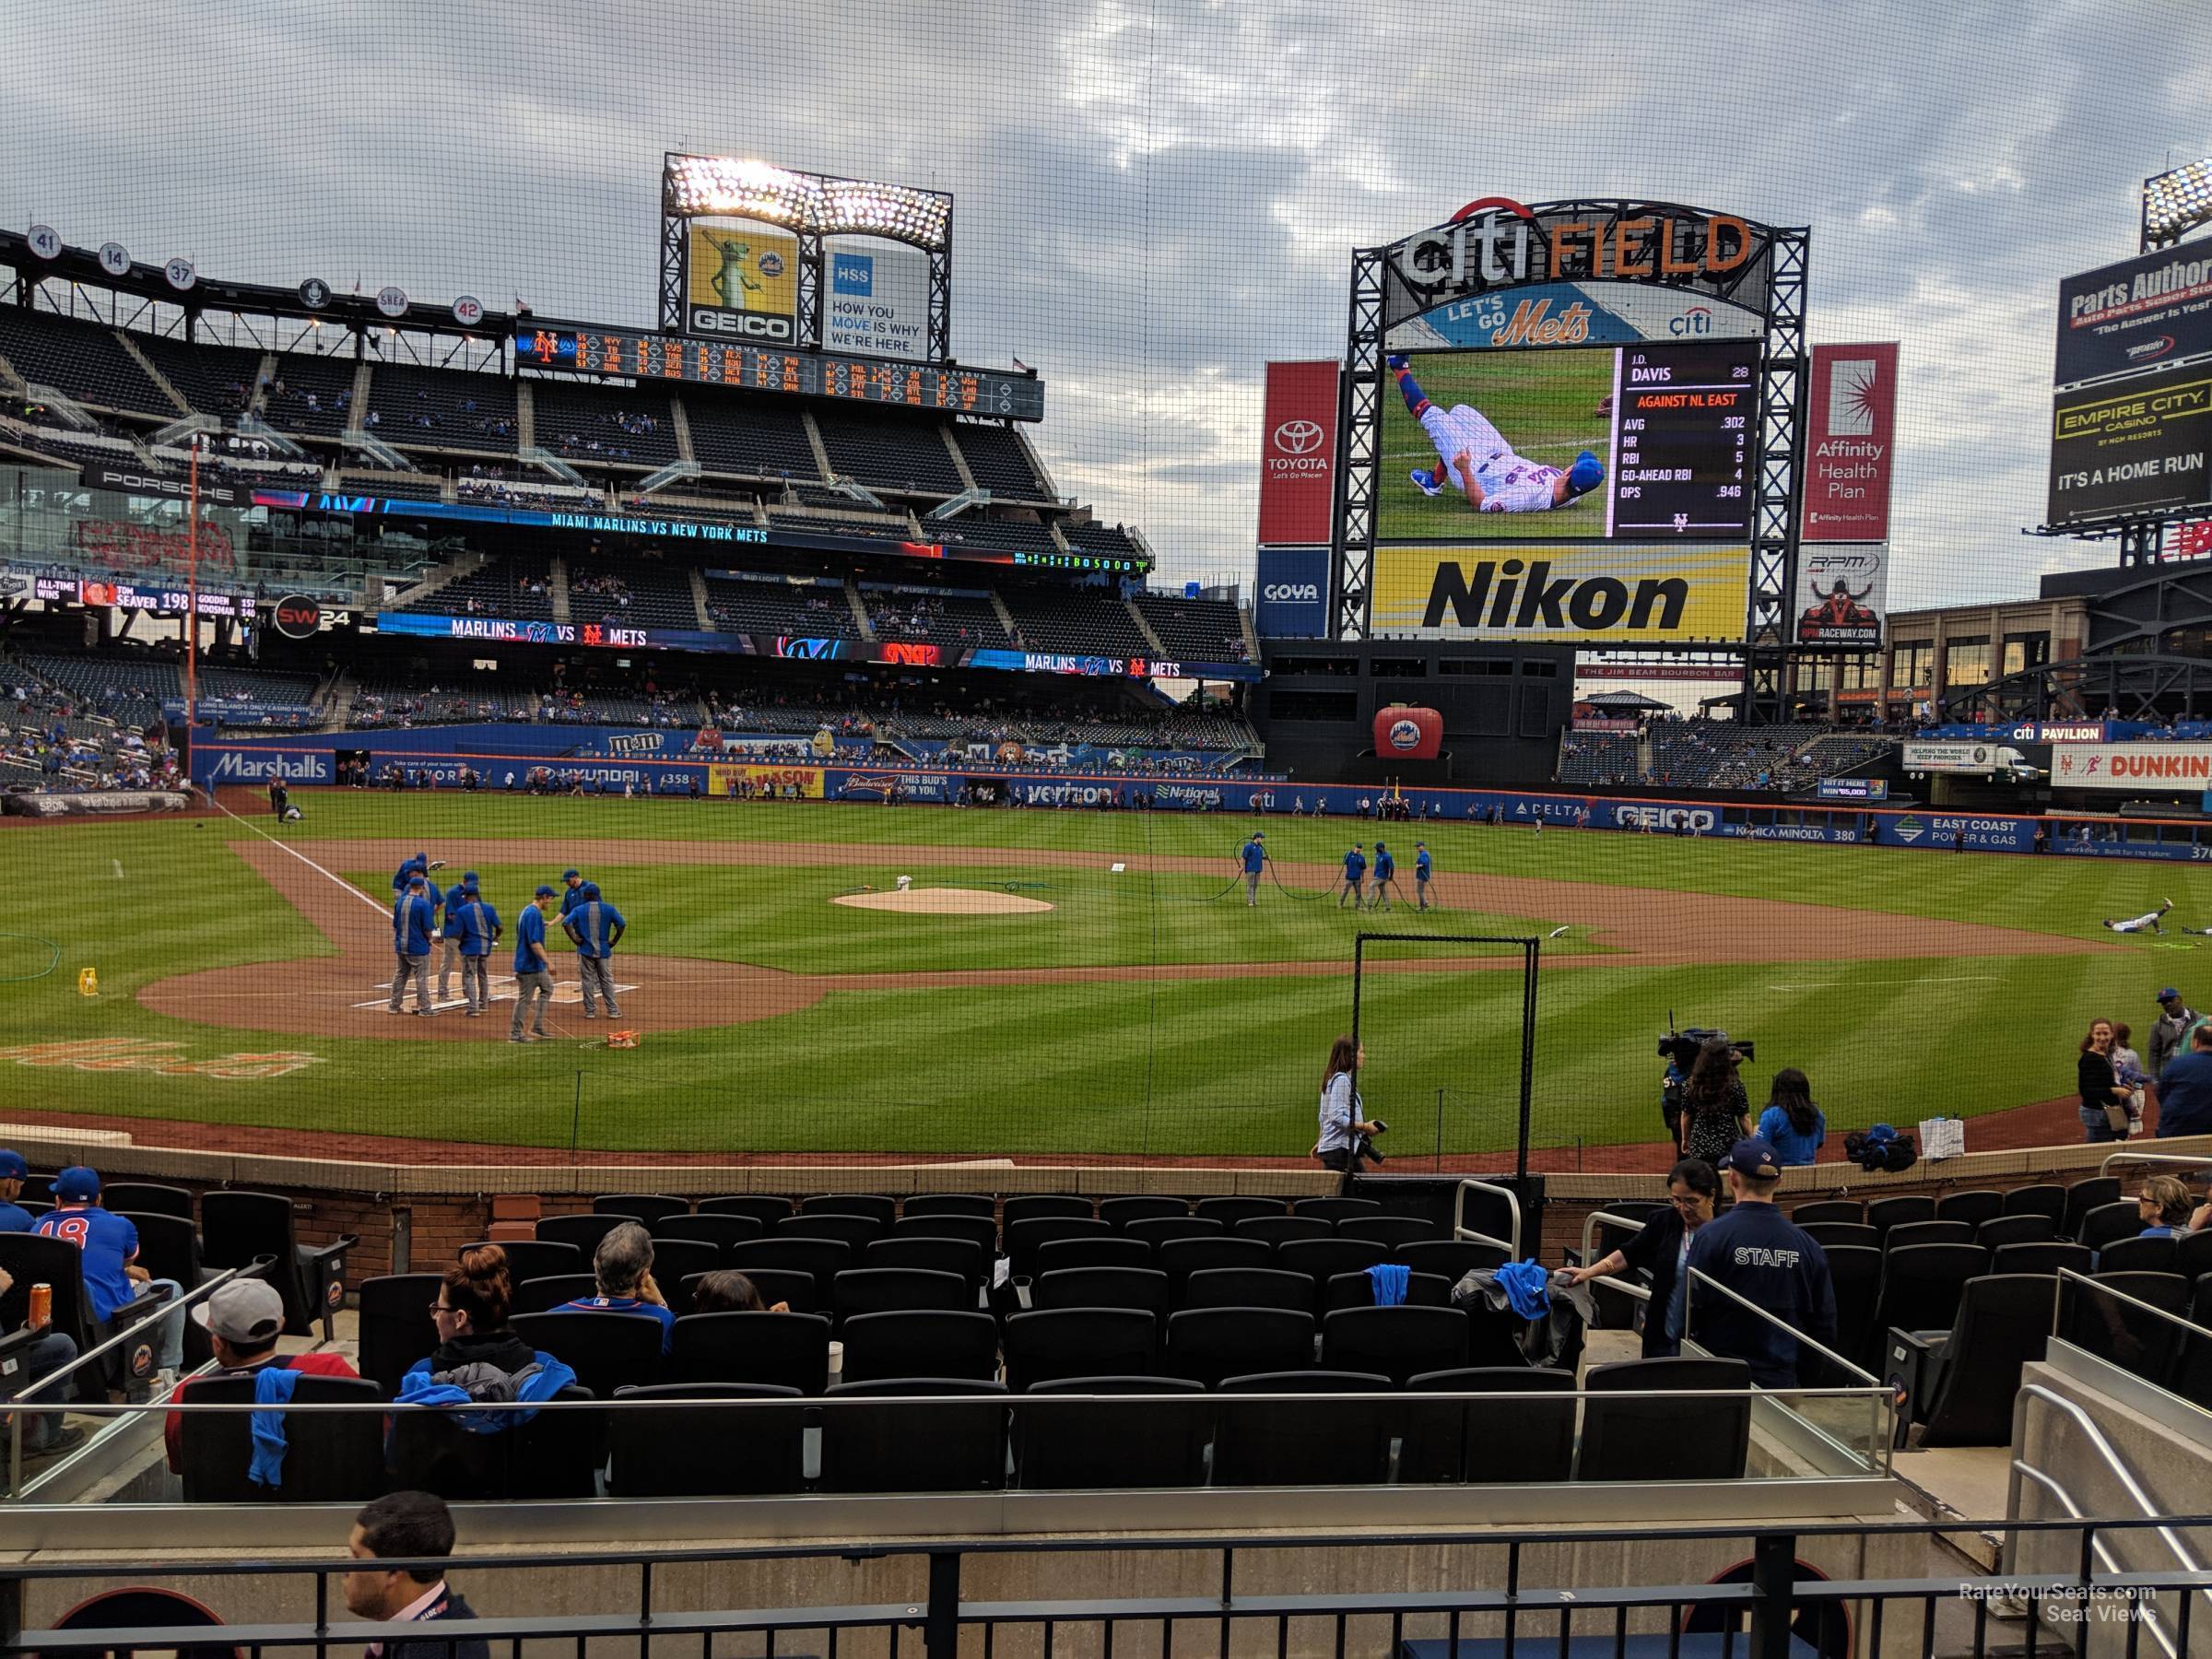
<point>1346,1142</point>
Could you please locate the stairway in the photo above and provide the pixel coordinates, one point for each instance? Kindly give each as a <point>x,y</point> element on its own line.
<point>525,416</point>
<point>699,597</point>
<point>1005,617</point>
<point>680,424</point>
<point>1145,628</point>
<point>557,591</point>
<point>860,612</point>
<point>435,579</point>
<point>122,336</point>
<point>814,442</point>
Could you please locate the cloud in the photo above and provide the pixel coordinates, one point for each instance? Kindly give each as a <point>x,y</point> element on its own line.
<point>1154,197</point>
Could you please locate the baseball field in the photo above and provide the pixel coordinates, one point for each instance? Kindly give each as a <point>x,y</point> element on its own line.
<point>1053,982</point>
<point>1545,403</point>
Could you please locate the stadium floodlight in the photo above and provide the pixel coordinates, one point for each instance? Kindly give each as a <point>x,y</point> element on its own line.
<point>700,187</point>
<point>2176,202</point>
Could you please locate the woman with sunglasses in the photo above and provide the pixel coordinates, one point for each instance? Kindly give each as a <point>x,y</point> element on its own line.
<point>1660,1248</point>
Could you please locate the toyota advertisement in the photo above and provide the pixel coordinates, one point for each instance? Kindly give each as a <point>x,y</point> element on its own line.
<point>1297,454</point>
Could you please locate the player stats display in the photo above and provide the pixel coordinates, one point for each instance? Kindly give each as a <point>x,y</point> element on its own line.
<point>1637,441</point>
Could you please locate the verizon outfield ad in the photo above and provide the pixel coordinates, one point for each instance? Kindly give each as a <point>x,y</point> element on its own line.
<point>1849,443</point>
<point>1297,454</point>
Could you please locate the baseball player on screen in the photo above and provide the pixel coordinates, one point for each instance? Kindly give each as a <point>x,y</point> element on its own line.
<point>2150,921</point>
<point>1474,458</point>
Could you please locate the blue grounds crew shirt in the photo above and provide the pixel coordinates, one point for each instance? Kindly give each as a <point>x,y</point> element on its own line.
<point>2186,1094</point>
<point>399,876</point>
<point>595,920</point>
<point>1421,864</point>
<point>477,922</point>
<point>1765,1258</point>
<point>1385,867</point>
<point>411,926</point>
<point>1254,856</point>
<point>571,897</point>
<point>107,1241</point>
<point>1355,865</point>
<point>530,930</point>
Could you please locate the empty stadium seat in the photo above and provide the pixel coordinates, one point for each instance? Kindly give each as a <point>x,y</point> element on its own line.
<point>1080,1342</point>
<point>1906,1234</point>
<point>1922,1284</point>
<point>899,1289</point>
<point>1393,1232</point>
<point>238,1228</point>
<point>1829,1209</point>
<point>646,1207</point>
<point>880,1450</point>
<point>1179,1258</point>
<point>855,1233</point>
<point>706,1453</point>
<point>2109,1222</point>
<point>878,1207</point>
<point>2138,1256</point>
<point>1142,1288</point>
<point>2042,1255</point>
<point>950,1203</point>
<point>1023,1238</point>
<point>393,1326</point>
<point>139,1198</point>
<point>939,1342</point>
<point>1092,1250</point>
<point>721,1231</point>
<point>1230,1210</point>
<point>1031,1207</point>
<point>1278,1229</point>
<point>1829,1233</point>
<point>789,1349</point>
<point>2082,1197</point>
<point>1249,1287</point>
<point>1883,1214</point>
<point>1633,1431</point>
<point>544,1295</point>
<point>2046,1198</point>
<point>1077,1446</point>
<point>606,1349</point>
<point>1119,1212</point>
<point>2024,1228</point>
<point>1206,1344</point>
<point>963,1257</point>
<point>1972,1369</point>
<point>1321,1442</point>
<point>1972,1208</point>
<point>583,1232</point>
<point>768,1209</point>
<point>1490,1442</point>
<point>1156,1230</point>
<point>1398,1343</point>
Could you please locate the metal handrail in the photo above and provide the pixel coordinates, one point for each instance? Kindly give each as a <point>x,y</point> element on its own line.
<point>2102,1551</point>
<point>1626,1287</point>
<point>2111,1461</point>
<point>1465,1233</point>
<point>133,1329</point>
<point>2134,1301</point>
<point>1699,1274</point>
<point>2194,1160</point>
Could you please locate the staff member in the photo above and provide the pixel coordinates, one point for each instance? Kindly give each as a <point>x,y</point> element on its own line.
<point>1385,867</point>
<point>418,865</point>
<point>1772,1262</point>
<point>571,890</point>
<point>411,916</point>
<point>478,926</point>
<point>449,944</point>
<point>594,927</point>
<point>1421,871</point>
<point>532,968</point>
<point>1340,1119</point>
<point>1355,878</point>
<point>1252,855</point>
<point>1660,1248</point>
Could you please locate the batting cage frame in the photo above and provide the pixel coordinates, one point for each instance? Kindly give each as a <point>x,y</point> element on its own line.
<point>1532,951</point>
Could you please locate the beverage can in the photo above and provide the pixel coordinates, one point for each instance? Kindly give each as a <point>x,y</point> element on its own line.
<point>41,1306</point>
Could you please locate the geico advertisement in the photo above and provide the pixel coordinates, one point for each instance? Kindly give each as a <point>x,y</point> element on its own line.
<point>741,282</point>
<point>1614,592</point>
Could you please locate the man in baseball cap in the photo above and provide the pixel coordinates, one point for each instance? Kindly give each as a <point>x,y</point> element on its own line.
<point>571,890</point>
<point>243,1318</point>
<point>14,1171</point>
<point>1758,1253</point>
<point>114,1280</point>
<point>2169,1032</point>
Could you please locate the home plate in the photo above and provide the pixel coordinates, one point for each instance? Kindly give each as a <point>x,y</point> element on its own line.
<point>501,988</point>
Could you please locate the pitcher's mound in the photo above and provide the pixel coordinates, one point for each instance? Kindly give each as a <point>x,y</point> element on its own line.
<point>945,901</point>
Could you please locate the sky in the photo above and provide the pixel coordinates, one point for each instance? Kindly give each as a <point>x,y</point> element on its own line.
<point>1155,199</point>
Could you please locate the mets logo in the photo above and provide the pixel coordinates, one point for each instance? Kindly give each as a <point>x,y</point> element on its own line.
<point>1404,735</point>
<point>771,263</point>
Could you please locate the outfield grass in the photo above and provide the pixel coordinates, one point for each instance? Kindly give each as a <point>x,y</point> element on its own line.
<point>1225,1064</point>
<point>1545,403</point>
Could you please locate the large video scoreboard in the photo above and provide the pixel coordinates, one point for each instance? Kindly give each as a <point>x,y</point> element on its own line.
<point>631,354</point>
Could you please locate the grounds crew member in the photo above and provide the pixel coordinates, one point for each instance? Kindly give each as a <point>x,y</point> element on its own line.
<point>1421,871</point>
<point>418,865</point>
<point>595,927</point>
<point>1766,1259</point>
<point>532,968</point>
<point>411,916</point>
<point>1387,866</point>
<point>1355,878</point>
<point>1252,855</point>
<point>447,948</point>
<point>477,925</point>
<point>571,890</point>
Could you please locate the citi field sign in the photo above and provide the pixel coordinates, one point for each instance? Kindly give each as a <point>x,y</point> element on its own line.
<point>1503,273</point>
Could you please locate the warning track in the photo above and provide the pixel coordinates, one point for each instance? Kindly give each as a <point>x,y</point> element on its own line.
<point>1636,927</point>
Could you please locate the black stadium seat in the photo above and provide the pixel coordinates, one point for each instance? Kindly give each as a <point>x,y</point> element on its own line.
<point>899,1290</point>
<point>978,1230</point>
<point>1922,1284</point>
<point>854,1232</point>
<point>1389,1231</point>
<point>1494,1440</point>
<point>2084,1196</point>
<point>1972,1208</point>
<point>1049,1343</point>
<point>963,1448</point>
<point>935,1342</point>
<point>1281,1230</point>
<point>1632,1434</point>
<point>2046,1198</point>
<point>1023,1236</point>
<point>1883,1214</point>
<point>722,1232</point>
<point>1144,1288</point>
<point>237,1228</point>
<point>1828,1234</point>
<point>1249,1287</point>
<point>583,1232</point>
<point>330,1456</point>
<point>143,1199</point>
<point>2139,1255</point>
<point>950,1203</point>
<point>706,1453</point>
<point>1335,1210</point>
<point>606,1349</point>
<point>1093,1251</point>
<point>1077,1446</point>
<point>2042,1255</point>
<point>544,1295</point>
<point>1119,1212</point>
<point>768,1209</point>
<point>1228,1211</point>
<point>1906,1234</point>
<point>1034,1207</point>
<point>536,1258</point>
<point>791,1349</point>
<point>1179,1258</point>
<point>395,1326</point>
<point>1156,1230</point>
<point>963,1256</point>
<point>1399,1343</point>
<point>1206,1344</point>
<point>879,1210</point>
<point>1320,1441</point>
<point>2119,1219</point>
<point>647,1207</point>
<point>2001,1230</point>
<point>1973,1370</point>
<point>1829,1209</point>
<point>824,1258</point>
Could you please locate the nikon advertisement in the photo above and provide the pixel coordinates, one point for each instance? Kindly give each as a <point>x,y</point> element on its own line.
<point>1617,593</point>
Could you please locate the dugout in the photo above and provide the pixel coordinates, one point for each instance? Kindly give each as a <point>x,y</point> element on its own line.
<point>1503,708</point>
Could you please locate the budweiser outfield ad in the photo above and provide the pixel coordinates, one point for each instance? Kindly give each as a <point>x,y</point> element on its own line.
<point>1849,444</point>
<point>1298,453</point>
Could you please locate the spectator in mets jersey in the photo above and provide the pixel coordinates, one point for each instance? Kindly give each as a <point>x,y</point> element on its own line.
<point>596,926</point>
<point>532,968</point>
<point>477,925</point>
<point>411,916</point>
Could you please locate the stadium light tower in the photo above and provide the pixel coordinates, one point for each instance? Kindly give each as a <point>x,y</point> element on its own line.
<point>2175,202</point>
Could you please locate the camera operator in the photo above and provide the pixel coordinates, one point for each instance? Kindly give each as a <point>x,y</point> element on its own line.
<point>1344,1145</point>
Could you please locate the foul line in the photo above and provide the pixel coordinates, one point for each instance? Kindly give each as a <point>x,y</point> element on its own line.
<point>303,857</point>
